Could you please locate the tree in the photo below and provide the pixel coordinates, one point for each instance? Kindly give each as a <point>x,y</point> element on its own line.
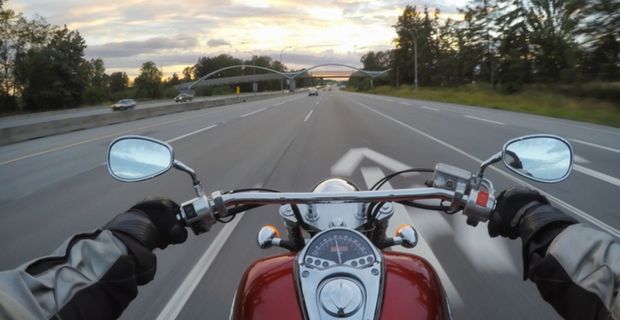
<point>119,81</point>
<point>148,83</point>
<point>187,73</point>
<point>53,76</point>
<point>206,65</point>
<point>173,80</point>
<point>601,28</point>
<point>98,89</point>
<point>17,35</point>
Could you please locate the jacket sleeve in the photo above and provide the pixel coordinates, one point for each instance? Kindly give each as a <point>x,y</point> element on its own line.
<point>576,270</point>
<point>91,276</point>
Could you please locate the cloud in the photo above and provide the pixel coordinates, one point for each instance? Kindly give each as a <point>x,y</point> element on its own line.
<point>134,48</point>
<point>218,43</point>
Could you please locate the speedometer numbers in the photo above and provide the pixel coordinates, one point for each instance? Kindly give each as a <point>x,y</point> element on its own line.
<point>339,248</point>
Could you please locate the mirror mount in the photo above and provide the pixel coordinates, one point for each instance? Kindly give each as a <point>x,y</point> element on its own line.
<point>493,159</point>
<point>195,181</point>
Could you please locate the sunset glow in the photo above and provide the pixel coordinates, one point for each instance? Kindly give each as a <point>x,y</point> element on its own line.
<point>175,34</point>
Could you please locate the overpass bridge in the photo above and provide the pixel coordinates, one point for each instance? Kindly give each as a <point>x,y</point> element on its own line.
<point>311,72</point>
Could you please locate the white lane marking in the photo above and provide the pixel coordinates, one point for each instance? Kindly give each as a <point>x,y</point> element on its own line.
<point>279,103</point>
<point>598,175</point>
<point>116,134</point>
<point>560,202</point>
<point>405,103</point>
<point>317,103</point>
<point>596,145</point>
<point>485,120</point>
<point>371,175</point>
<point>351,160</point>
<point>490,255</point>
<point>191,133</point>
<point>308,116</point>
<point>429,108</point>
<point>189,284</point>
<point>579,159</point>
<point>253,112</point>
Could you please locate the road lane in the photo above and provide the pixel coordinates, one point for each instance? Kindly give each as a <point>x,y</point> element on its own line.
<point>290,145</point>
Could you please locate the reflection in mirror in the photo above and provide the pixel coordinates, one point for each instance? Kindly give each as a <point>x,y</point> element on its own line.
<point>540,158</point>
<point>136,159</point>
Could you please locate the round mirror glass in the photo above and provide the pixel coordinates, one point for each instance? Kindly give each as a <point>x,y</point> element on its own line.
<point>540,158</point>
<point>138,158</point>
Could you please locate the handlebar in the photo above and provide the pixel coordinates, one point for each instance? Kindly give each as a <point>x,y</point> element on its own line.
<point>202,212</point>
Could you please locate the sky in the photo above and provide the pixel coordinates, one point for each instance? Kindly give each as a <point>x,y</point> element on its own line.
<point>175,33</point>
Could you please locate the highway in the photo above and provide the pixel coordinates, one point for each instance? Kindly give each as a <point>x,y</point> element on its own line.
<point>56,186</point>
<point>25,119</point>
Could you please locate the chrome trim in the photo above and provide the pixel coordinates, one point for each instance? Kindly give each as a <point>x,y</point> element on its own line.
<point>531,136</point>
<point>369,279</point>
<point>345,197</point>
<point>139,138</point>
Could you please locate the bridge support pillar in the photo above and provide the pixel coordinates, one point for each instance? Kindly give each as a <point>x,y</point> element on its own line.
<point>291,85</point>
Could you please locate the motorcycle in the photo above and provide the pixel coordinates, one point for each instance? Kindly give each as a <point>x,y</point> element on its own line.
<point>338,266</point>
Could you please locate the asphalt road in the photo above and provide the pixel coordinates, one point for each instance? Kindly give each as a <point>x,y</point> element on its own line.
<point>39,117</point>
<point>57,186</point>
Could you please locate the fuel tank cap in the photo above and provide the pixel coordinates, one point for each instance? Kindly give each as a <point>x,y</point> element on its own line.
<point>341,297</point>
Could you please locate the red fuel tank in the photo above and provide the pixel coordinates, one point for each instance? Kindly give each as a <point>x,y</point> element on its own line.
<point>412,290</point>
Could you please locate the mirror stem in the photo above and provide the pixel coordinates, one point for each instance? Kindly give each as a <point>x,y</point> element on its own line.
<point>183,167</point>
<point>495,158</point>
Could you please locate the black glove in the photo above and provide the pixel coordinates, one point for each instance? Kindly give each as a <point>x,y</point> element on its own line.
<point>153,223</point>
<point>504,220</point>
<point>521,212</point>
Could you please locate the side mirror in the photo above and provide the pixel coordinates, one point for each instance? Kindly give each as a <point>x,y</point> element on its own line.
<point>543,158</point>
<point>136,158</point>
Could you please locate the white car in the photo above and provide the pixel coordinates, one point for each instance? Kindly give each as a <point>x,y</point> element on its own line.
<point>124,104</point>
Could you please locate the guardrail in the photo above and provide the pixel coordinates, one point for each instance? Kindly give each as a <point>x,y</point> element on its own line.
<point>19,133</point>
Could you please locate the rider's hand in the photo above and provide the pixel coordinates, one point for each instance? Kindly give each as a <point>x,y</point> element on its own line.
<point>153,223</point>
<point>522,212</point>
<point>504,220</point>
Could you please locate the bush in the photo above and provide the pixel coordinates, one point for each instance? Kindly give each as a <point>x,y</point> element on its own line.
<point>125,94</point>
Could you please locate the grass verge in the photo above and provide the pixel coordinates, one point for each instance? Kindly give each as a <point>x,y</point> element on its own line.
<point>535,101</point>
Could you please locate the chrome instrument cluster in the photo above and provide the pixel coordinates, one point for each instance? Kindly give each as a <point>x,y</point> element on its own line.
<point>340,275</point>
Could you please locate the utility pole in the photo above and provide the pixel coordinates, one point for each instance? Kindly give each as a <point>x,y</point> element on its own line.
<point>282,64</point>
<point>414,36</point>
<point>254,84</point>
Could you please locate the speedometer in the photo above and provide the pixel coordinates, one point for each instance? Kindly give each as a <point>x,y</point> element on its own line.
<point>339,247</point>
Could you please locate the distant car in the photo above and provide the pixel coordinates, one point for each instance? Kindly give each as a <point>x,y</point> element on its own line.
<point>124,104</point>
<point>313,92</point>
<point>183,97</point>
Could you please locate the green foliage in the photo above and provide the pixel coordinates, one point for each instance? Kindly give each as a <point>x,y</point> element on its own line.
<point>148,83</point>
<point>119,81</point>
<point>215,91</point>
<point>124,94</point>
<point>507,43</point>
<point>53,76</point>
<point>531,100</point>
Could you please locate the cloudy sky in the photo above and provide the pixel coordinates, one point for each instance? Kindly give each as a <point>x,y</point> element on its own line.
<point>174,33</point>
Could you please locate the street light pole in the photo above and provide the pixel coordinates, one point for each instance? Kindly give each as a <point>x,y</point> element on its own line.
<point>282,64</point>
<point>415,59</point>
<point>254,85</point>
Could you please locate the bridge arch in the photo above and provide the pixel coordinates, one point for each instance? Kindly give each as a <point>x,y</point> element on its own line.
<point>370,74</point>
<point>241,66</point>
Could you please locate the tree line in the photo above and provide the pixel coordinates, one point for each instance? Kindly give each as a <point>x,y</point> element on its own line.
<point>42,67</point>
<point>506,43</point>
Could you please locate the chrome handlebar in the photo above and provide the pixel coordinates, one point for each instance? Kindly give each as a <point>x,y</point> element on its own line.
<point>202,212</point>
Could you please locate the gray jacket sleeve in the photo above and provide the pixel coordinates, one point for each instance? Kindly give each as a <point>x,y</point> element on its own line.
<point>579,274</point>
<point>91,276</point>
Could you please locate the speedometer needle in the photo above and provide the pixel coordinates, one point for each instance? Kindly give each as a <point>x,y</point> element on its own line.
<point>338,252</point>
